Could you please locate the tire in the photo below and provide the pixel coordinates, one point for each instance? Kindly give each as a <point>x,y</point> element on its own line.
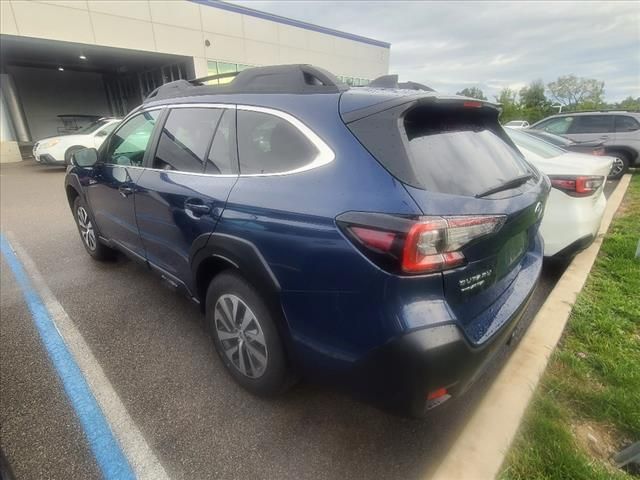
<point>88,233</point>
<point>253,355</point>
<point>620,165</point>
<point>70,151</point>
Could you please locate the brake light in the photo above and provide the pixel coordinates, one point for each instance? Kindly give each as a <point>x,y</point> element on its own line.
<point>416,246</point>
<point>471,104</point>
<point>577,186</point>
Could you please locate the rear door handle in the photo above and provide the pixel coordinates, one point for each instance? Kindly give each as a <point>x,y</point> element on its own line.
<point>125,190</point>
<point>197,207</point>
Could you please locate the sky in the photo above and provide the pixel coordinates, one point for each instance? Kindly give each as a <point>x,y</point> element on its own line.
<point>490,45</point>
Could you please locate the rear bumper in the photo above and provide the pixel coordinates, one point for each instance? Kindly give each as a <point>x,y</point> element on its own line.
<point>569,222</point>
<point>402,373</point>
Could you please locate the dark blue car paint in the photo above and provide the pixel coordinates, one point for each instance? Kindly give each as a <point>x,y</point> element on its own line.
<point>337,306</point>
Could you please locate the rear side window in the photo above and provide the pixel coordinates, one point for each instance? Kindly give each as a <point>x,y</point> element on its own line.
<point>452,150</point>
<point>592,124</point>
<point>185,139</point>
<point>626,124</point>
<point>269,144</point>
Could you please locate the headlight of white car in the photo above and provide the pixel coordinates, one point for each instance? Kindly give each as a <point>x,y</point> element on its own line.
<point>51,143</point>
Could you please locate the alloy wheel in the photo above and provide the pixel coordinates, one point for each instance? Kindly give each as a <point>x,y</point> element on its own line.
<point>617,167</point>
<point>241,336</point>
<point>86,228</point>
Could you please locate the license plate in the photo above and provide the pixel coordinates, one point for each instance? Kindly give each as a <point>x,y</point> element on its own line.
<point>511,253</point>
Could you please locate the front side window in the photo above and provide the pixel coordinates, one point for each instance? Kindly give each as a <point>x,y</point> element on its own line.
<point>626,124</point>
<point>129,143</point>
<point>592,124</point>
<point>559,126</point>
<point>268,144</point>
<point>185,139</point>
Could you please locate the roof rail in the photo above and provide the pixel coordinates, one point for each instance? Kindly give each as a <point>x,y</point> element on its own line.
<point>299,79</point>
<point>391,81</point>
<point>611,110</point>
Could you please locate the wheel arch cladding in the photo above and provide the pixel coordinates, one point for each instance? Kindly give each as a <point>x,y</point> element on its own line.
<point>72,194</point>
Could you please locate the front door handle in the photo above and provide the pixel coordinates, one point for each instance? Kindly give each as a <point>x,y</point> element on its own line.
<point>196,207</point>
<point>125,190</point>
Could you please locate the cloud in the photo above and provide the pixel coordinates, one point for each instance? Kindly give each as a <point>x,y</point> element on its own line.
<point>492,45</point>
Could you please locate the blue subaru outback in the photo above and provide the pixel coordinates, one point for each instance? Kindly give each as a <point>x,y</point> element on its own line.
<point>384,239</point>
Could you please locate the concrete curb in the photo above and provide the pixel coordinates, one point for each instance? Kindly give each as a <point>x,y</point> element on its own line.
<point>479,450</point>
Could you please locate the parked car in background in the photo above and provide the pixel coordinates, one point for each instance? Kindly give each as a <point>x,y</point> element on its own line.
<point>576,203</point>
<point>385,240</point>
<point>619,130</point>
<point>517,124</point>
<point>58,150</point>
<point>595,147</point>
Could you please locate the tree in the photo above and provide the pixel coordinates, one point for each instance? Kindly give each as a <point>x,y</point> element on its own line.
<point>534,104</point>
<point>629,103</point>
<point>473,92</point>
<point>532,96</point>
<point>575,92</point>
<point>510,108</point>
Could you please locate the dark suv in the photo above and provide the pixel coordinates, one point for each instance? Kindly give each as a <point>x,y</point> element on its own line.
<point>382,239</point>
<point>619,131</point>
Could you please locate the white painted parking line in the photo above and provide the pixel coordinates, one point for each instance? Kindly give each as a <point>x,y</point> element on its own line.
<point>143,461</point>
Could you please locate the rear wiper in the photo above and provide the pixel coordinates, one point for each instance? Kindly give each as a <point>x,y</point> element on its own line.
<point>508,185</point>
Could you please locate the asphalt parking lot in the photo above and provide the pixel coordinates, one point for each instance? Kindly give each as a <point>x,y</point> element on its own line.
<point>152,346</point>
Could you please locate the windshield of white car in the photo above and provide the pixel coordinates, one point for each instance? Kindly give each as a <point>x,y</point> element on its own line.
<point>92,127</point>
<point>534,144</point>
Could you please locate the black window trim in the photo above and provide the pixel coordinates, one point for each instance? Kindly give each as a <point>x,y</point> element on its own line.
<point>325,154</point>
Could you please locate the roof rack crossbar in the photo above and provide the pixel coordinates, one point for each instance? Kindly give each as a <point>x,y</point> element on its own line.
<point>296,79</point>
<point>208,78</point>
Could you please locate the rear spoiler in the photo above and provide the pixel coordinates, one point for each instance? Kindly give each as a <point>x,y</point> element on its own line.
<point>419,99</point>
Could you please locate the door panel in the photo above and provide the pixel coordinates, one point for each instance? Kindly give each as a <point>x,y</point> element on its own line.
<point>112,187</point>
<point>176,201</point>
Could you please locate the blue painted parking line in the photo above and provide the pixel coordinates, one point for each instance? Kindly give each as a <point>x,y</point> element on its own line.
<point>108,453</point>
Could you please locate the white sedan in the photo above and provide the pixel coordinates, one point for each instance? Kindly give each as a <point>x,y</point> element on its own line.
<point>58,150</point>
<point>576,202</point>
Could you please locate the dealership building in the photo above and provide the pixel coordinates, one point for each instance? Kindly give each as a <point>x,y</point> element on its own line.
<point>64,63</point>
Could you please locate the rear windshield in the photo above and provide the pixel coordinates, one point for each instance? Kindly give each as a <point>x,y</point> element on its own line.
<point>534,144</point>
<point>445,149</point>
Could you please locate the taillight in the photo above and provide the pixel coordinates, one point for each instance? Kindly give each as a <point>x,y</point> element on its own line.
<point>578,185</point>
<point>416,245</point>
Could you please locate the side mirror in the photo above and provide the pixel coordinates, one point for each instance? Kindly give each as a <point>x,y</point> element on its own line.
<point>87,157</point>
